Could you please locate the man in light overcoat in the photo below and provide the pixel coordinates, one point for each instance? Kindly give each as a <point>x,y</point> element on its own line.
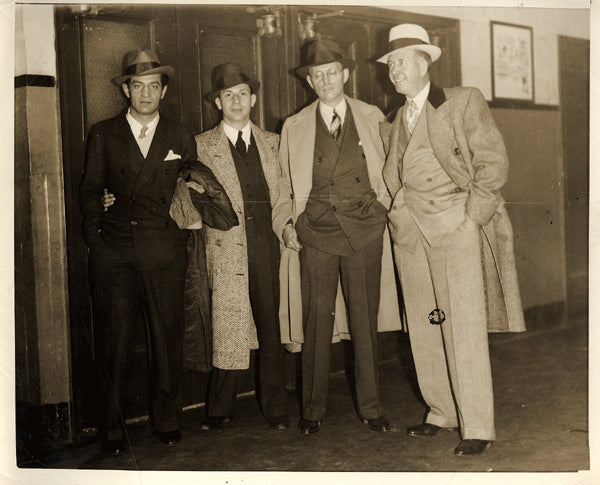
<point>453,241</point>
<point>330,214</point>
<point>243,263</point>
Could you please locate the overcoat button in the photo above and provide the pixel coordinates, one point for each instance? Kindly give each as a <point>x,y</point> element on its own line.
<point>359,203</point>
<point>331,182</point>
<point>429,179</point>
<point>457,151</point>
<point>333,208</point>
<point>218,242</point>
<point>357,180</point>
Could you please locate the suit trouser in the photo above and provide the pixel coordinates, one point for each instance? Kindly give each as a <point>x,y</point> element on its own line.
<point>360,276</point>
<point>452,358</point>
<point>121,294</point>
<point>263,283</point>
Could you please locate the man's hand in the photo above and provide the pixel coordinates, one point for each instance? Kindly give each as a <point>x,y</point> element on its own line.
<point>107,200</point>
<point>290,238</point>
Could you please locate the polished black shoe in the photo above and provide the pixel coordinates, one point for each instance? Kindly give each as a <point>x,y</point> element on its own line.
<point>471,447</point>
<point>279,422</point>
<point>425,430</point>
<point>114,447</point>
<point>169,438</point>
<point>308,426</point>
<point>378,424</point>
<point>214,422</point>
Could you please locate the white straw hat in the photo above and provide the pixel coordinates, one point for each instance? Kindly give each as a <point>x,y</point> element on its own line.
<point>410,36</point>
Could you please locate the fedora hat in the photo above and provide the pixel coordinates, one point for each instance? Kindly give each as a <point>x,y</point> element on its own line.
<point>323,51</point>
<point>410,36</point>
<point>142,62</point>
<point>225,76</point>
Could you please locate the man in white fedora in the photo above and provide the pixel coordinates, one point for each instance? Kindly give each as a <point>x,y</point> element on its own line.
<point>446,163</point>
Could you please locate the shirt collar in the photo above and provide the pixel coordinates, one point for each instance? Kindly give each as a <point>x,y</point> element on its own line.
<point>327,111</point>
<point>232,133</point>
<point>420,98</point>
<point>136,126</point>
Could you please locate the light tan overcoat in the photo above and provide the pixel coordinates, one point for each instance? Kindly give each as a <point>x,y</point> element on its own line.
<point>469,147</point>
<point>296,156</point>
<point>234,332</point>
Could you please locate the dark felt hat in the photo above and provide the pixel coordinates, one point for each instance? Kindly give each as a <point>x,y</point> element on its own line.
<point>323,51</point>
<point>226,76</point>
<point>142,62</point>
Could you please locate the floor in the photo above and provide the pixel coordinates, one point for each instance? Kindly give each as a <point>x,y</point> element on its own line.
<point>540,386</point>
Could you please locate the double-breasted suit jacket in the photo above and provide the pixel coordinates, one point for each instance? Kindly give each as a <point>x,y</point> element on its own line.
<point>296,154</point>
<point>143,189</point>
<point>470,149</point>
<point>234,331</point>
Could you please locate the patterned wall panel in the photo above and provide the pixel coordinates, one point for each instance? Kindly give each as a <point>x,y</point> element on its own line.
<point>216,47</point>
<point>105,40</point>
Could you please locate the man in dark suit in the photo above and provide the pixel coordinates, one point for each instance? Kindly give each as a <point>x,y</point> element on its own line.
<point>453,244</point>
<point>331,211</point>
<point>137,252</point>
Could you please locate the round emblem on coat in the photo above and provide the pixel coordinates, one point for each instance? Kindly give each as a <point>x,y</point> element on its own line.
<point>436,317</point>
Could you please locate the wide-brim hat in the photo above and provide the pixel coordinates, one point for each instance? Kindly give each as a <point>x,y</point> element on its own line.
<point>323,51</point>
<point>225,76</point>
<point>410,36</point>
<point>142,62</point>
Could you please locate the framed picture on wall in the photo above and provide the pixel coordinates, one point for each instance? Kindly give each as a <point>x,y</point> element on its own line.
<point>512,62</point>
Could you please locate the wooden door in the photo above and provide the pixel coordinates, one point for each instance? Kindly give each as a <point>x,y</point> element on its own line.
<point>574,60</point>
<point>90,51</point>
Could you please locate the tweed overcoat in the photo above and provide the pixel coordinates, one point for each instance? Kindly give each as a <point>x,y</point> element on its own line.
<point>296,157</point>
<point>470,148</point>
<point>234,331</point>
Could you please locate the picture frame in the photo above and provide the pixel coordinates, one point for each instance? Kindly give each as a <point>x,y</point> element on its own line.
<point>512,63</point>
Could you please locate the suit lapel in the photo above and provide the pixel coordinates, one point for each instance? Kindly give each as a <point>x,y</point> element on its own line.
<point>268,162</point>
<point>441,131</point>
<point>398,143</point>
<point>127,146</point>
<point>301,147</point>
<point>224,166</point>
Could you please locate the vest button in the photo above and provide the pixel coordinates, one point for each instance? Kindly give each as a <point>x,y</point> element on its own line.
<point>163,201</point>
<point>166,223</point>
<point>123,171</point>
<point>131,200</point>
<point>319,159</point>
<point>331,182</point>
<point>359,203</point>
<point>333,208</point>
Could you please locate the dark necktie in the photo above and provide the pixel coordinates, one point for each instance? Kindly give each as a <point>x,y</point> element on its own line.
<point>336,126</point>
<point>240,145</point>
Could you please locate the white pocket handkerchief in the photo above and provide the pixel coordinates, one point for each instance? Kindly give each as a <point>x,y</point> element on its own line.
<point>172,156</point>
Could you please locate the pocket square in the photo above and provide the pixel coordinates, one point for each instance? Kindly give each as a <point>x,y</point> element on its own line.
<point>172,156</point>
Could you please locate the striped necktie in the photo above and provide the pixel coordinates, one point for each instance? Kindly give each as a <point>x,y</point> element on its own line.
<point>335,127</point>
<point>411,116</point>
<point>143,131</point>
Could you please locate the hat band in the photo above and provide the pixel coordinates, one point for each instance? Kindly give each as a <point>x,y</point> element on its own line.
<point>405,42</point>
<point>140,68</point>
<point>231,80</point>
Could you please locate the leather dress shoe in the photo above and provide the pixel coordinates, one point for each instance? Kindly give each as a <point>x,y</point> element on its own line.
<point>308,426</point>
<point>113,446</point>
<point>169,438</point>
<point>471,447</point>
<point>378,424</point>
<point>279,422</point>
<point>214,422</point>
<point>425,430</point>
